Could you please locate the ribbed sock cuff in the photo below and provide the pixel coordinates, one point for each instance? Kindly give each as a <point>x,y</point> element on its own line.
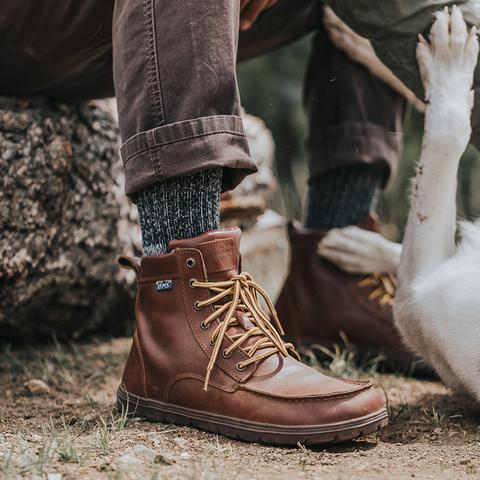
<point>341,197</point>
<point>177,208</point>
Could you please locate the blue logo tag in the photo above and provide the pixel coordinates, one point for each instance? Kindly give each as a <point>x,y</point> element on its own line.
<point>163,285</point>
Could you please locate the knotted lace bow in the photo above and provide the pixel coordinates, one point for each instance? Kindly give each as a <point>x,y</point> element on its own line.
<point>383,287</point>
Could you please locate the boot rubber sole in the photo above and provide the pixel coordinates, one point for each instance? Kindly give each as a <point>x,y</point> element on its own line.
<point>156,411</point>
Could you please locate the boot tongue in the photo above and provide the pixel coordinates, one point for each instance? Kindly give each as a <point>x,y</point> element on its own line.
<point>221,255</point>
<point>220,251</point>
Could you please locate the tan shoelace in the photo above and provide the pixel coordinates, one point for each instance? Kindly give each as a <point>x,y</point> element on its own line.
<point>242,295</point>
<point>384,286</point>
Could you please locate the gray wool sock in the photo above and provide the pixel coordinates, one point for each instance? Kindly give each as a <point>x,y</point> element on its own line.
<point>177,208</point>
<point>342,197</point>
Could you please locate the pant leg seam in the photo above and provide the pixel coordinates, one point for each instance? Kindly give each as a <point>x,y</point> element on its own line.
<point>336,133</point>
<point>151,65</point>
<point>156,167</point>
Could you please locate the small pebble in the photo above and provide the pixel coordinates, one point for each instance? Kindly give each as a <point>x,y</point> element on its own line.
<point>164,459</point>
<point>144,451</point>
<point>128,460</point>
<point>36,386</point>
<point>54,476</point>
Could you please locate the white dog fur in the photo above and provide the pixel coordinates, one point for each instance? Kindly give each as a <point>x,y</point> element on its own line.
<point>437,305</point>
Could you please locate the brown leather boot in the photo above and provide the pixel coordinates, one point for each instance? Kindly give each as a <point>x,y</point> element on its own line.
<point>205,353</point>
<point>319,301</point>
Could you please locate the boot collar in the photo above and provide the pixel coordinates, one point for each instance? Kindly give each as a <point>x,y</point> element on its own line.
<point>219,250</point>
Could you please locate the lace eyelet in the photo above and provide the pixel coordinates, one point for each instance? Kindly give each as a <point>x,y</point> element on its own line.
<point>226,355</point>
<point>240,367</point>
<point>190,262</point>
<point>191,282</point>
<point>212,342</point>
<point>196,306</point>
<point>204,326</point>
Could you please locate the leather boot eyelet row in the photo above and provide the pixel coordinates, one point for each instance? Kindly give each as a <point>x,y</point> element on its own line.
<point>191,282</point>
<point>190,263</point>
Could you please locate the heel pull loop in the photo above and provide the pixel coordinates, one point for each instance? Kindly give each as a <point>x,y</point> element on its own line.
<point>130,263</point>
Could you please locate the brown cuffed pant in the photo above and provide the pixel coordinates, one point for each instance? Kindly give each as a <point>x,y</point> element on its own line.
<point>171,65</point>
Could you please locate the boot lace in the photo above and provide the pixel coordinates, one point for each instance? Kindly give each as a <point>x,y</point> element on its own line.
<point>240,295</point>
<point>383,287</point>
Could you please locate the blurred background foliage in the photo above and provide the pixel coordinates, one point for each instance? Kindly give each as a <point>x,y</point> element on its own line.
<point>271,88</point>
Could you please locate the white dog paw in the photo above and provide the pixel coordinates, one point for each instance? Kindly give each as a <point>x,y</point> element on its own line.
<point>447,64</point>
<point>359,251</point>
<point>450,55</point>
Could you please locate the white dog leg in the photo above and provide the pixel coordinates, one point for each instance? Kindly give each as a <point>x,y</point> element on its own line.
<point>447,65</point>
<point>436,307</point>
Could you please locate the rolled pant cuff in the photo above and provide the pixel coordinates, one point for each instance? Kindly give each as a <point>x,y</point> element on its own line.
<point>187,147</point>
<point>354,143</point>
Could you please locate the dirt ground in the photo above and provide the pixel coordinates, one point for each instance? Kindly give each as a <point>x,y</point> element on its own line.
<point>67,429</point>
